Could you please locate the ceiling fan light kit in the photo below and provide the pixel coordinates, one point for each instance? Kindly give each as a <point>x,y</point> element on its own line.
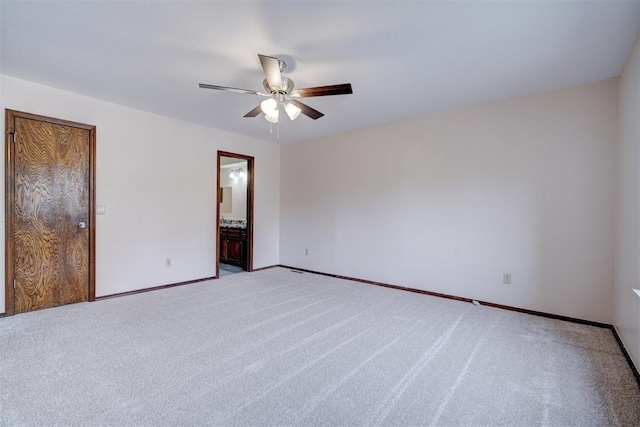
<point>280,93</point>
<point>270,109</point>
<point>292,111</point>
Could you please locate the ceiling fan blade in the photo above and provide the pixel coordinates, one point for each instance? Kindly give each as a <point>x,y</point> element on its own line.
<point>254,112</point>
<point>306,110</point>
<point>271,67</point>
<point>230,89</point>
<point>343,89</point>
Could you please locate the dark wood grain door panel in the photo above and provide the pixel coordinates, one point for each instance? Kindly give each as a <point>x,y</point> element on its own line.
<point>223,250</point>
<point>50,214</point>
<point>234,251</point>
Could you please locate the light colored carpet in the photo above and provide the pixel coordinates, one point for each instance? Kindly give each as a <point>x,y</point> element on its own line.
<point>281,348</point>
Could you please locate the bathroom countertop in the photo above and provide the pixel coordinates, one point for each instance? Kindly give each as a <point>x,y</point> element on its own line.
<point>243,226</point>
<point>233,223</point>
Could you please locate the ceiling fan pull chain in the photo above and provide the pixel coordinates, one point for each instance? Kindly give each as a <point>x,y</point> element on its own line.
<point>278,134</point>
<point>270,127</point>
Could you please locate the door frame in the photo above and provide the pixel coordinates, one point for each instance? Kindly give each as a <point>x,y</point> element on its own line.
<point>250,192</point>
<point>9,197</point>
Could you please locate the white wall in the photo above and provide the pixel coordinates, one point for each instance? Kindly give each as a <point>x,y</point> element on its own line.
<point>524,186</point>
<point>627,304</point>
<point>156,177</point>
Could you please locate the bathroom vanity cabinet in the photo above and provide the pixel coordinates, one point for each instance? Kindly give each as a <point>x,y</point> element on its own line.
<point>233,246</point>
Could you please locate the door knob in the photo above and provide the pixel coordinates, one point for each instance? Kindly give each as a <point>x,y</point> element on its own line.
<point>82,225</point>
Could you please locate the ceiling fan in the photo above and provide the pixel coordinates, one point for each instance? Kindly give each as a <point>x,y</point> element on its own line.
<point>281,94</point>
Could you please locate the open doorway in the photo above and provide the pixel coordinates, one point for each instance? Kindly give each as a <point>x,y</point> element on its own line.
<point>234,216</point>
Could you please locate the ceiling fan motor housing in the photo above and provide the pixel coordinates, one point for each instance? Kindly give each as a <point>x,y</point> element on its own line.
<point>287,86</point>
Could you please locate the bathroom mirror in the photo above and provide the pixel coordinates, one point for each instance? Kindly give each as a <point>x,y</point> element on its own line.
<point>226,200</point>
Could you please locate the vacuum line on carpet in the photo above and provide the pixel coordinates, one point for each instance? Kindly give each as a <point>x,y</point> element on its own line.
<point>455,385</point>
<point>235,376</point>
<point>401,387</point>
<point>324,394</point>
<point>295,373</point>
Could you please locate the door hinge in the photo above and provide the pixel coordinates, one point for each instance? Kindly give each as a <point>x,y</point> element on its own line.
<point>14,284</point>
<point>13,135</point>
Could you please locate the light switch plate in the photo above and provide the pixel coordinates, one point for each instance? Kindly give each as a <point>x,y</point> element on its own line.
<point>101,209</point>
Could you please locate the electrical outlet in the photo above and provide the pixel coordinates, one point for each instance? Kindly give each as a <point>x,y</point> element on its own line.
<point>306,251</point>
<point>167,262</point>
<point>506,278</point>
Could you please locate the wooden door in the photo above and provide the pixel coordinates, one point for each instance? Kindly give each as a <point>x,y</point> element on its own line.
<point>50,208</point>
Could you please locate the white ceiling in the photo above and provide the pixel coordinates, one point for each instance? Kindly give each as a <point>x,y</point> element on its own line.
<point>231,162</point>
<point>404,58</point>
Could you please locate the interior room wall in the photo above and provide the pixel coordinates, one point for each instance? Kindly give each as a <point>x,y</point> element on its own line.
<point>159,189</point>
<point>627,272</point>
<point>523,186</point>
<point>238,192</point>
